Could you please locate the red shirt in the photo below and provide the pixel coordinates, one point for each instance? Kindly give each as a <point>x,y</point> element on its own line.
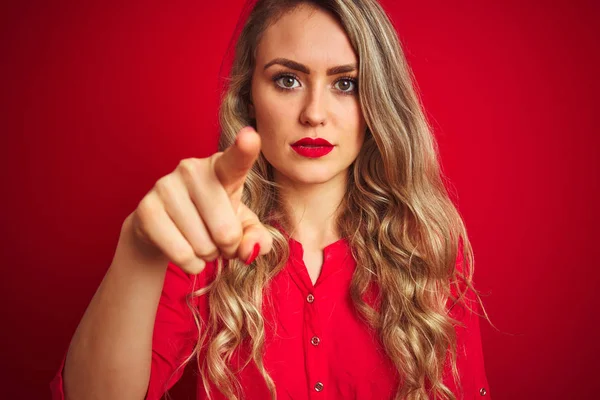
<point>316,346</point>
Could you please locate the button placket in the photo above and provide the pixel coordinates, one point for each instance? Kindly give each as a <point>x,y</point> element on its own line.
<point>317,368</point>
<point>316,360</point>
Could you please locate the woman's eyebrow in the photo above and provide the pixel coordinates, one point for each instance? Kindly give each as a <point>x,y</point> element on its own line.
<point>340,69</point>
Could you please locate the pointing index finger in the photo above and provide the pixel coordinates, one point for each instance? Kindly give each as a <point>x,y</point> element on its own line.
<point>232,166</point>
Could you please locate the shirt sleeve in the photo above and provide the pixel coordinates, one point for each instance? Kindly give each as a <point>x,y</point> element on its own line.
<point>470,360</point>
<point>175,332</point>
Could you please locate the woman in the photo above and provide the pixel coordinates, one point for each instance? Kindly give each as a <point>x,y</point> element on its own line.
<point>317,255</point>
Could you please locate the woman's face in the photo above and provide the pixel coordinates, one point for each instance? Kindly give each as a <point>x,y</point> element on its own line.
<point>305,85</point>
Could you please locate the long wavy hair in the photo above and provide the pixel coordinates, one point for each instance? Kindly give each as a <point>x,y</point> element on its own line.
<point>403,229</point>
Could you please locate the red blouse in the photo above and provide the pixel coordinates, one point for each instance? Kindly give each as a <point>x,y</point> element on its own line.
<point>316,346</point>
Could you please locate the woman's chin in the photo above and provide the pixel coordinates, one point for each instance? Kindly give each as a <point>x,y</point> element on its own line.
<point>308,175</point>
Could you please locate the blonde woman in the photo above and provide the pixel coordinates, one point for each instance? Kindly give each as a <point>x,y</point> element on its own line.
<point>316,256</point>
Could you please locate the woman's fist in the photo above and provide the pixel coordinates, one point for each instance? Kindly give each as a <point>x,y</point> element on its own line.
<point>195,213</point>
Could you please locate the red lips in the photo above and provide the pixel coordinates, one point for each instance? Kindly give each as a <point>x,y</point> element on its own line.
<point>312,148</point>
<point>312,142</point>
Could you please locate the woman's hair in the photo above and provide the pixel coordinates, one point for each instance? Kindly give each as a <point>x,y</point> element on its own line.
<point>403,229</point>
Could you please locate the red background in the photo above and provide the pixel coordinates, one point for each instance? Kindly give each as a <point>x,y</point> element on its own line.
<point>100,99</point>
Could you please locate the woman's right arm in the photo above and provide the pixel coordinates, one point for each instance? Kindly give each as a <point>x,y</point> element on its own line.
<point>191,216</point>
<point>110,352</point>
<point>173,338</point>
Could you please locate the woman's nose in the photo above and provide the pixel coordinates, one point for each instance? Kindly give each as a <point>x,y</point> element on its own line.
<point>314,112</point>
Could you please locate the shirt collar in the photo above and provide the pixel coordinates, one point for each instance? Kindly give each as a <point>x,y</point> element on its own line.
<point>337,258</point>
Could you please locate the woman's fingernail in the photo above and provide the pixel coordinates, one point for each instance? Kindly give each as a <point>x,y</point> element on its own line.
<point>255,252</point>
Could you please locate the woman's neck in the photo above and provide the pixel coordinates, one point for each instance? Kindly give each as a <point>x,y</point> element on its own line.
<point>313,208</point>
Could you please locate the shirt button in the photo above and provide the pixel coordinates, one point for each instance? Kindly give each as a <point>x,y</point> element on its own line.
<point>318,386</point>
<point>482,391</point>
<point>315,340</point>
<point>310,298</point>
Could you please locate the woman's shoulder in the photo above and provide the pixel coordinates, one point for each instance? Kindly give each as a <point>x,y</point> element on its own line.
<point>179,285</point>
<point>176,274</point>
<point>463,299</point>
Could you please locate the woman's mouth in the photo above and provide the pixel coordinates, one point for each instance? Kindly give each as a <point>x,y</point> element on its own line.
<point>312,148</point>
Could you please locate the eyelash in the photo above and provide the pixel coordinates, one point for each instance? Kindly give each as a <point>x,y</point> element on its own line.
<point>294,76</point>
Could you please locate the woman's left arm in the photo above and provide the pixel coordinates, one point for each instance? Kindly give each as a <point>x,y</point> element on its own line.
<point>469,358</point>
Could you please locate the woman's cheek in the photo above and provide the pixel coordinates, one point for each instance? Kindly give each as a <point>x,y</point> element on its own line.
<point>273,109</point>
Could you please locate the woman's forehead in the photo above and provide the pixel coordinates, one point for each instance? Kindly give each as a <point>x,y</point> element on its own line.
<point>307,35</point>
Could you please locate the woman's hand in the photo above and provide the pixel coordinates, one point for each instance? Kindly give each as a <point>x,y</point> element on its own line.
<point>195,213</point>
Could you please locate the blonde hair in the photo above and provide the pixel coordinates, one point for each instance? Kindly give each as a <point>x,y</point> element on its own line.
<point>395,195</point>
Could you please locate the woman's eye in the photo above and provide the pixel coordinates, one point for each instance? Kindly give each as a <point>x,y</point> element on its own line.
<point>287,82</point>
<point>346,85</point>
